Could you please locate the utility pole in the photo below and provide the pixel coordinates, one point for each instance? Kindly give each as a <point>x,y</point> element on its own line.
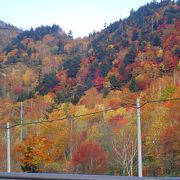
<point>21,117</point>
<point>70,119</point>
<point>8,148</point>
<point>139,138</point>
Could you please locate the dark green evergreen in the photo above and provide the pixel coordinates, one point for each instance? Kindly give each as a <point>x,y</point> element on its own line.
<point>155,40</point>
<point>130,56</point>
<point>48,83</point>
<point>133,86</point>
<point>115,81</point>
<point>72,65</point>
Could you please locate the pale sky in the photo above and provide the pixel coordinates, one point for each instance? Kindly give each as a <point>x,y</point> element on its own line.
<point>80,16</point>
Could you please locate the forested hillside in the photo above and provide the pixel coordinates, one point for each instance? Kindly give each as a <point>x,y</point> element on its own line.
<point>77,97</point>
<point>7,33</point>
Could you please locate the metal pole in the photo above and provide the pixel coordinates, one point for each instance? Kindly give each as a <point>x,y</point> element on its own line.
<point>139,138</point>
<point>8,149</point>
<point>21,116</point>
<point>71,146</point>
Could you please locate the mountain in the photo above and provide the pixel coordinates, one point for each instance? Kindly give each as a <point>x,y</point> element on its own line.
<point>148,37</point>
<point>7,33</point>
<point>58,78</point>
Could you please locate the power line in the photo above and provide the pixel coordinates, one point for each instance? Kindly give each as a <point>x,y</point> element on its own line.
<point>93,113</point>
<point>74,116</point>
<point>159,101</point>
<point>60,119</point>
<point>163,100</point>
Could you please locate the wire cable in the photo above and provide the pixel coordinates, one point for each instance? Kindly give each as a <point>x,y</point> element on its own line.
<point>93,113</point>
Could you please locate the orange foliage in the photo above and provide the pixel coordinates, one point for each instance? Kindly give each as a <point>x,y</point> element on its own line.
<point>118,120</point>
<point>34,153</point>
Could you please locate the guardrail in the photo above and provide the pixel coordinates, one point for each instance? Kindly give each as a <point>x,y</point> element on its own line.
<point>36,176</point>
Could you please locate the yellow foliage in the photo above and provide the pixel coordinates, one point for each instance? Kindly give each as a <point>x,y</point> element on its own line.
<point>48,98</point>
<point>110,114</point>
<point>91,98</point>
<point>57,114</point>
<point>159,52</point>
<point>29,77</point>
<point>93,132</point>
<point>60,129</point>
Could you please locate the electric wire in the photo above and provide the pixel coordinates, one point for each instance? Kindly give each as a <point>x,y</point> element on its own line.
<point>130,105</point>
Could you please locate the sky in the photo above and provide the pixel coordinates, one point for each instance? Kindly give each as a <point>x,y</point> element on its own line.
<point>80,16</point>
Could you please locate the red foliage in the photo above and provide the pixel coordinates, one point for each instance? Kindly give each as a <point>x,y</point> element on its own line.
<point>118,121</point>
<point>57,88</point>
<point>177,25</point>
<point>72,82</point>
<point>98,83</point>
<point>162,26</point>
<point>170,59</point>
<point>85,72</point>
<point>129,109</point>
<point>168,104</point>
<point>89,158</point>
<point>62,75</point>
<point>115,119</point>
<point>17,90</point>
<point>92,58</point>
<point>83,135</point>
<point>114,103</point>
<point>167,139</point>
<point>122,123</point>
<point>97,72</point>
<point>130,67</point>
<point>142,84</point>
<point>122,77</point>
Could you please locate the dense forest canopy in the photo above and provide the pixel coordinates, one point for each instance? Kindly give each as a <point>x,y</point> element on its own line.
<point>84,90</point>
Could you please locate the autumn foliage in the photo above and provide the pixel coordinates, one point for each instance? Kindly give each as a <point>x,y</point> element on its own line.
<point>34,153</point>
<point>89,158</point>
<point>77,97</point>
